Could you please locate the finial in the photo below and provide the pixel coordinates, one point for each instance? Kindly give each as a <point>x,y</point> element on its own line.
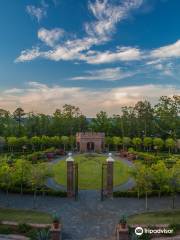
<point>110,159</point>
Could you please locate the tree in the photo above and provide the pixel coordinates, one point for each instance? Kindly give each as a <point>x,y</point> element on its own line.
<point>144,113</point>
<point>2,143</point>
<point>22,141</point>
<point>116,141</point>
<point>167,116</point>
<point>6,177</point>
<point>101,123</point>
<point>18,115</point>
<point>65,141</point>
<point>174,181</point>
<point>137,142</point>
<point>126,142</point>
<point>45,141</point>
<point>22,168</point>
<point>160,176</point>
<point>37,177</point>
<point>35,142</point>
<point>55,141</point>
<point>170,144</point>
<point>143,177</point>
<point>147,142</point>
<point>12,143</point>
<point>108,141</point>
<point>158,143</point>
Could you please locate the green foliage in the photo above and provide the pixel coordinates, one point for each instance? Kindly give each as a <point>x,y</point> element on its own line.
<point>43,234</point>
<point>23,228</point>
<point>123,219</point>
<point>158,142</point>
<point>170,144</point>
<point>137,142</point>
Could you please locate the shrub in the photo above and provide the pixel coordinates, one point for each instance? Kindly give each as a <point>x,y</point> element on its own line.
<point>27,190</point>
<point>23,228</point>
<point>133,193</point>
<point>4,229</point>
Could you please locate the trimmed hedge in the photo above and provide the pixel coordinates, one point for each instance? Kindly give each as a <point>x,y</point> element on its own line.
<point>133,193</point>
<point>48,192</point>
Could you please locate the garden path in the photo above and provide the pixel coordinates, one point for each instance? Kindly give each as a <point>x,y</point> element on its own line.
<point>123,187</point>
<point>88,218</point>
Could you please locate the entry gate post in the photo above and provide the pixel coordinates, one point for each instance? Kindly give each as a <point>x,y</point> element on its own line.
<point>107,178</point>
<point>110,175</point>
<point>70,176</point>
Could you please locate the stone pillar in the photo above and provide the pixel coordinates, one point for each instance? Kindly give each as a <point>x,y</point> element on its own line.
<point>70,176</point>
<point>110,175</point>
<point>56,234</point>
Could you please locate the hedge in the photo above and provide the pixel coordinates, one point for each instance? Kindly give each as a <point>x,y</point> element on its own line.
<point>48,192</point>
<point>132,193</point>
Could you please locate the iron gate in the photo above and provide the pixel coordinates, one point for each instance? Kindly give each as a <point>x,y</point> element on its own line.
<point>76,188</point>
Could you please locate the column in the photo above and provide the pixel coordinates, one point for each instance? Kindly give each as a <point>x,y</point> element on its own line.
<point>110,175</point>
<point>70,176</point>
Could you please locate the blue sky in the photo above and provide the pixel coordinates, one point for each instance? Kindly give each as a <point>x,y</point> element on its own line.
<point>97,54</point>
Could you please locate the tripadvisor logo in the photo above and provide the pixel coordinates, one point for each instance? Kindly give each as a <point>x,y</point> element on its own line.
<point>139,231</point>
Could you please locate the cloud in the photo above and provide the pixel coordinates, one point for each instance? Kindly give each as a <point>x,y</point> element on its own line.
<point>121,54</point>
<point>28,55</point>
<point>107,15</point>
<point>107,74</point>
<point>50,37</point>
<point>36,12</point>
<point>169,51</point>
<point>40,97</point>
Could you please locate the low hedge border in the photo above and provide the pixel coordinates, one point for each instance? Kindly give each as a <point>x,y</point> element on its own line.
<point>47,192</point>
<point>133,194</point>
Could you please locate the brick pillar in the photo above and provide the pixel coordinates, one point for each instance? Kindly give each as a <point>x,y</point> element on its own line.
<point>110,175</point>
<point>70,176</point>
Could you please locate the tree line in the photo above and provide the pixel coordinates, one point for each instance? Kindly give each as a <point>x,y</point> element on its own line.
<point>157,177</point>
<point>36,143</point>
<point>142,120</point>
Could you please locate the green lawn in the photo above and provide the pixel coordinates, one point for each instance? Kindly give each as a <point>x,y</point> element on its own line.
<point>161,217</point>
<point>90,170</point>
<point>24,216</point>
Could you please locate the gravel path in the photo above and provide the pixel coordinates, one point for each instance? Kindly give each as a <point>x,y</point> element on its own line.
<point>88,217</point>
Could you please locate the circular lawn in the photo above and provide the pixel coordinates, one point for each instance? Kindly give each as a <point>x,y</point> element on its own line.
<point>90,171</point>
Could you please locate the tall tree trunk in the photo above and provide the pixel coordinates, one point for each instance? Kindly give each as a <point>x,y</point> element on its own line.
<point>146,199</point>
<point>173,201</point>
<point>138,193</point>
<point>34,198</point>
<point>7,195</point>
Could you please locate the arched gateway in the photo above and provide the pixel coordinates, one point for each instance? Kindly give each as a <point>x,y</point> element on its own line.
<point>90,141</point>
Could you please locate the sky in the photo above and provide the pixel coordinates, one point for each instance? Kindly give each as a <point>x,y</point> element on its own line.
<point>95,54</point>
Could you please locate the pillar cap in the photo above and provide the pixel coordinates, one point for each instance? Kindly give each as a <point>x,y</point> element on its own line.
<point>69,159</point>
<point>110,159</point>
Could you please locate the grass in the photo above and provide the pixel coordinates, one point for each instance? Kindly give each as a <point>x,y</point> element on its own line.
<point>161,217</point>
<point>24,216</point>
<point>90,170</point>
